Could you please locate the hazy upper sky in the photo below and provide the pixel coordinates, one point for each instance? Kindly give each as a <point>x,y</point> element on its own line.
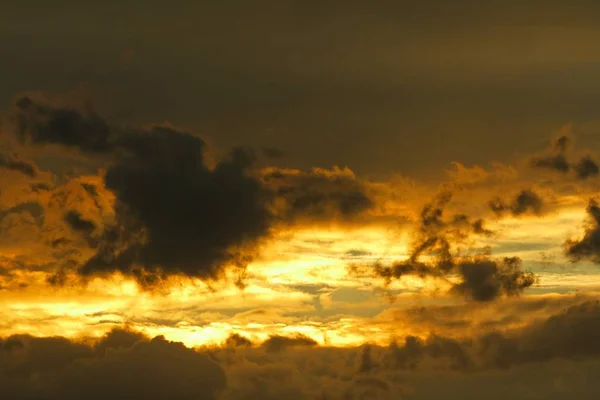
<point>393,86</point>
<point>240,200</point>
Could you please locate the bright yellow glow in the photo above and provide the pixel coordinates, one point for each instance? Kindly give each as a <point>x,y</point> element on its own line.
<point>300,285</point>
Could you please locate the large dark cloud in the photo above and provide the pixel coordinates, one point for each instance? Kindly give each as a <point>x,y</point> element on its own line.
<point>176,212</point>
<point>587,247</point>
<point>183,217</point>
<point>482,278</point>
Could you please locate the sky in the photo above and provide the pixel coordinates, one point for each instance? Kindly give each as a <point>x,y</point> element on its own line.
<point>312,200</point>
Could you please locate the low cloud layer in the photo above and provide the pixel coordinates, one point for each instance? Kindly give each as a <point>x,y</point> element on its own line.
<point>127,364</point>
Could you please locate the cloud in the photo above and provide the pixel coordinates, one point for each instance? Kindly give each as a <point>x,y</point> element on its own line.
<point>13,163</point>
<point>126,364</point>
<point>527,201</point>
<point>484,279</point>
<point>237,340</point>
<point>587,247</point>
<point>175,214</point>
<point>278,343</point>
<point>558,160</point>
<point>318,194</point>
<point>481,277</point>
<point>41,123</point>
<point>122,364</point>
<point>174,211</point>
<point>586,168</point>
<point>78,223</point>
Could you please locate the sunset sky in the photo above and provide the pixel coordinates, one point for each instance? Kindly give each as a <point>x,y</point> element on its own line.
<point>306,200</point>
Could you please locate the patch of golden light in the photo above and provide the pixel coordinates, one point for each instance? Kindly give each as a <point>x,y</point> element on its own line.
<point>271,304</point>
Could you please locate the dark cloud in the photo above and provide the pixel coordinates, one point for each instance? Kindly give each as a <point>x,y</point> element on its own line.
<point>586,168</point>
<point>42,123</point>
<point>237,340</point>
<point>175,214</point>
<point>277,343</point>
<point>527,201</point>
<point>484,279</point>
<point>78,223</point>
<point>588,247</point>
<point>123,364</point>
<point>13,163</point>
<point>183,216</point>
<point>558,160</point>
<point>481,277</point>
<point>320,193</point>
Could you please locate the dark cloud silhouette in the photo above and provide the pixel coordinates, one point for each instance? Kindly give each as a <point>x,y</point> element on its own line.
<point>588,247</point>
<point>481,277</point>
<point>320,193</point>
<point>188,218</point>
<point>586,168</point>
<point>484,279</point>
<point>175,214</point>
<point>277,343</point>
<point>237,340</point>
<point>42,123</point>
<point>527,201</point>
<point>13,163</point>
<point>78,223</point>
<point>558,160</point>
